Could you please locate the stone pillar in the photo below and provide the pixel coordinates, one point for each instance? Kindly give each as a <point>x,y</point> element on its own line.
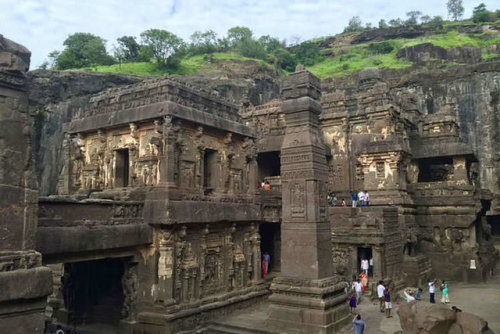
<point>24,283</point>
<point>306,296</point>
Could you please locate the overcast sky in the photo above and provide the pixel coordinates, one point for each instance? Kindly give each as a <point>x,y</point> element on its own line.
<point>43,25</point>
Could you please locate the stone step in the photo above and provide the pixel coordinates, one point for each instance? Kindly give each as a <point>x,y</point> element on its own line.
<point>232,329</point>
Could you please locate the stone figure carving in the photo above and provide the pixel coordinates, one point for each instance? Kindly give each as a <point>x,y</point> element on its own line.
<point>129,285</point>
<point>411,242</point>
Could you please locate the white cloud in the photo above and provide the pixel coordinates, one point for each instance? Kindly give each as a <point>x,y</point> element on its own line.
<point>42,26</point>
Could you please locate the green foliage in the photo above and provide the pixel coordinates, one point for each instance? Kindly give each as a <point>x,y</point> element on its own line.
<point>307,53</point>
<point>381,48</point>
<point>425,19</point>
<point>203,42</point>
<point>270,43</point>
<point>354,24</point>
<point>455,9</point>
<point>382,24</point>
<point>481,14</point>
<point>82,49</point>
<point>236,34</point>
<point>413,17</point>
<point>396,22</point>
<point>285,60</point>
<point>128,48</point>
<point>436,21</point>
<point>165,47</point>
<point>488,56</point>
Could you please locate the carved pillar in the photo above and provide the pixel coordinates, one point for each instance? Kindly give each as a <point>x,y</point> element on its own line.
<point>317,304</point>
<point>252,168</point>
<point>377,263</point>
<point>24,283</point>
<point>166,268</point>
<point>230,257</point>
<point>168,156</point>
<point>256,274</point>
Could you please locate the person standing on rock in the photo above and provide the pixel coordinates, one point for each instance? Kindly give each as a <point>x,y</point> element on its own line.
<point>432,291</point>
<point>359,324</point>
<point>354,198</point>
<point>367,198</point>
<point>380,294</point>
<point>352,302</point>
<point>358,288</point>
<point>388,305</point>
<point>361,198</point>
<point>365,265</point>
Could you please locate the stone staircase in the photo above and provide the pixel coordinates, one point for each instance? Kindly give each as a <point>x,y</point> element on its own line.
<point>221,328</point>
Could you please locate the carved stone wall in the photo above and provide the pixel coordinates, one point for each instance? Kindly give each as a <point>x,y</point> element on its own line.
<point>22,305</point>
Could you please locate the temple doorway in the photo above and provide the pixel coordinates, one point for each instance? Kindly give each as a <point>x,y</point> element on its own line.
<point>269,164</point>
<point>270,242</point>
<point>365,253</point>
<point>93,294</point>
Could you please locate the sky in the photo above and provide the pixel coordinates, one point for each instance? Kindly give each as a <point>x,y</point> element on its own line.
<point>43,25</point>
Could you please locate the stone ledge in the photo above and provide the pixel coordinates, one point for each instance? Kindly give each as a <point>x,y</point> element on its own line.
<point>37,283</point>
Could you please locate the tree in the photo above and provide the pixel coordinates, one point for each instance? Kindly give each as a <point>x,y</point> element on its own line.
<point>413,17</point>
<point>307,53</point>
<point>44,65</point>
<point>425,19</point>
<point>203,42</point>
<point>236,34</point>
<point>436,21</point>
<point>163,46</point>
<point>285,59</point>
<point>129,48</point>
<point>53,55</point>
<point>248,47</point>
<point>270,43</point>
<point>481,14</point>
<point>382,24</point>
<point>354,24</point>
<point>455,9</point>
<point>396,22</point>
<point>83,50</point>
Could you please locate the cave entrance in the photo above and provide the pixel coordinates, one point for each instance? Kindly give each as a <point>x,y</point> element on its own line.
<point>93,294</point>
<point>269,164</point>
<point>365,254</point>
<point>435,169</point>
<point>270,242</point>
<point>121,168</point>
<point>210,165</point>
<point>494,222</point>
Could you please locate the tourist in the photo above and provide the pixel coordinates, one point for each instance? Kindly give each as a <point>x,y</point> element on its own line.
<point>432,291</point>
<point>267,186</point>
<point>380,294</point>
<point>263,268</point>
<point>444,293</point>
<point>267,259</point>
<point>263,184</point>
<point>367,198</point>
<point>329,199</point>
<point>418,294</point>
<point>352,302</point>
<point>365,266</point>
<point>359,324</point>
<point>343,203</point>
<point>409,295</point>
<point>364,281</point>
<point>358,288</point>
<point>370,269</point>
<point>388,305</point>
<point>334,199</point>
<point>361,198</point>
<point>354,198</point>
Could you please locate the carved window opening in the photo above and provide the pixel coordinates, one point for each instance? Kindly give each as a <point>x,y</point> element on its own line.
<point>209,170</point>
<point>269,164</point>
<point>380,169</point>
<point>270,243</point>
<point>435,169</point>
<point>121,168</point>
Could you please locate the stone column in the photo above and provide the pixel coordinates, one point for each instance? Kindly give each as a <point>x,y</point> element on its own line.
<point>24,283</point>
<point>307,296</point>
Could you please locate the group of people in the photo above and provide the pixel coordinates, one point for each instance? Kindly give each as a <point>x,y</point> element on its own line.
<point>443,287</point>
<point>265,185</point>
<point>363,197</point>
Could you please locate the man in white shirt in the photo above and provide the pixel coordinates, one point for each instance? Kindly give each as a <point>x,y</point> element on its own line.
<point>380,294</point>
<point>358,288</point>
<point>432,291</point>
<point>361,198</point>
<point>364,266</point>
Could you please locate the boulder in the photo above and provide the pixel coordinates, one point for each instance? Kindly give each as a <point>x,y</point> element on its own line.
<point>421,318</point>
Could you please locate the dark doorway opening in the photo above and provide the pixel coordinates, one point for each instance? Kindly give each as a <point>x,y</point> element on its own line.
<point>121,168</point>
<point>269,164</point>
<point>93,292</point>
<point>209,170</point>
<point>435,169</point>
<point>494,222</point>
<point>365,253</point>
<point>270,242</point>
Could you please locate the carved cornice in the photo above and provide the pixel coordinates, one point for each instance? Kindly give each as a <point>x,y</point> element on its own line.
<point>12,79</point>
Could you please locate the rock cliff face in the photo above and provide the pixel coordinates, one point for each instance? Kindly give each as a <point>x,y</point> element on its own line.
<point>54,98</point>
